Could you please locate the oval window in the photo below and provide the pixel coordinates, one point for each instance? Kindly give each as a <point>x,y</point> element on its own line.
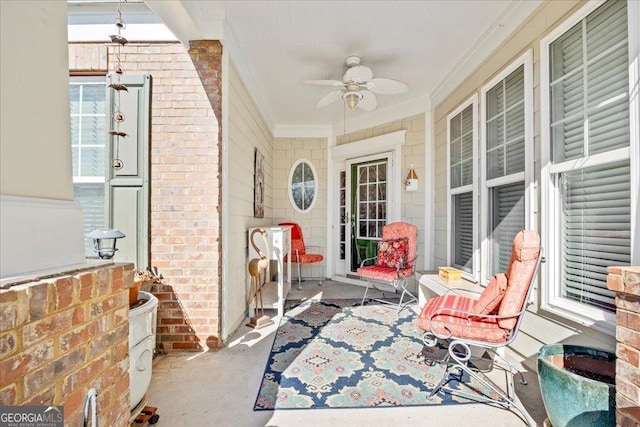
<point>302,185</point>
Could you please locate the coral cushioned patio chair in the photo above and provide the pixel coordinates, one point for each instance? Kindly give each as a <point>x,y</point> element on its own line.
<point>394,264</point>
<point>488,322</point>
<point>299,253</point>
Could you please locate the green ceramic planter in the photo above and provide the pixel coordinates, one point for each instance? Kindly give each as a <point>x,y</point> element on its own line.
<point>578,385</point>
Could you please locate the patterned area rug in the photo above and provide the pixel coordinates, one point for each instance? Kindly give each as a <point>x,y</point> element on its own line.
<point>338,354</point>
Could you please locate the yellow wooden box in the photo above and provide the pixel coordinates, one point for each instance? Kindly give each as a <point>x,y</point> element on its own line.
<point>450,274</point>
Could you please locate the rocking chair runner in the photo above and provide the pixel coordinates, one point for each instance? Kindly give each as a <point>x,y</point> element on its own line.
<point>489,322</point>
<point>395,262</point>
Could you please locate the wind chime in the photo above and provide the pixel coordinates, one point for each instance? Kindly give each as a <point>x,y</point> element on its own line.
<point>118,87</point>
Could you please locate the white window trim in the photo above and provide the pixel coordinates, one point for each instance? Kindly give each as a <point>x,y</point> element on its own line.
<point>525,59</point>
<point>473,100</point>
<point>551,300</point>
<point>290,186</point>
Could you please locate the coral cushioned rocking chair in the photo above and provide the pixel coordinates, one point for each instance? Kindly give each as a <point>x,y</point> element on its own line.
<point>395,262</point>
<point>488,322</point>
<point>299,253</point>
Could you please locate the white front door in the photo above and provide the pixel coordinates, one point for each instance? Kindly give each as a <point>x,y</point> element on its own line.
<point>365,196</point>
<point>363,208</point>
<point>368,197</point>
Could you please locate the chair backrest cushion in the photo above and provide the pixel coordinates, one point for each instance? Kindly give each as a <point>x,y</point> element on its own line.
<point>297,241</point>
<point>392,253</point>
<point>522,267</point>
<point>492,295</point>
<point>399,230</point>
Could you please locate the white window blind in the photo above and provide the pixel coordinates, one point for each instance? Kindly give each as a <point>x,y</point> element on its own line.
<point>461,179</point>
<point>596,231</point>
<point>507,219</point>
<point>589,115</point>
<point>504,167</point>
<point>463,231</point>
<point>505,126</point>
<point>91,198</point>
<point>88,138</point>
<point>461,148</point>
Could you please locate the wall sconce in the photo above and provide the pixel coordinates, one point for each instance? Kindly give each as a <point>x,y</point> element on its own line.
<point>104,241</point>
<point>411,182</point>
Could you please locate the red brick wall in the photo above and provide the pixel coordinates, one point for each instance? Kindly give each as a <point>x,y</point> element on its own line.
<point>62,336</point>
<point>625,281</point>
<point>185,191</point>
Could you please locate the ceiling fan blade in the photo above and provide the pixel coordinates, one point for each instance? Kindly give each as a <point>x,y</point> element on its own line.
<point>323,82</point>
<point>386,86</point>
<point>359,74</point>
<point>368,101</point>
<point>329,98</point>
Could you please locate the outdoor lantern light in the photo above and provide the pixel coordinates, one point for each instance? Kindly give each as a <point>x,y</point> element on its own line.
<point>104,241</point>
<point>411,182</point>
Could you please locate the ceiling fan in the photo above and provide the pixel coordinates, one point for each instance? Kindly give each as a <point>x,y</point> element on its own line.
<point>358,87</point>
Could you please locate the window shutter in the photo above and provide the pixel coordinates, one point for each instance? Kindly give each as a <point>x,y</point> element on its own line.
<point>596,230</point>
<point>128,188</point>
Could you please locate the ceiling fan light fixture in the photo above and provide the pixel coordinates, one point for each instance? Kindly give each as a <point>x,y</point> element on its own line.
<point>351,98</point>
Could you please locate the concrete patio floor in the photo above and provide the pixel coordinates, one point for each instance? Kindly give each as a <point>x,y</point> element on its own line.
<point>220,388</point>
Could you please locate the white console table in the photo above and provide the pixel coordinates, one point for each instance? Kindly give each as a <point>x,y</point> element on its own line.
<point>274,294</point>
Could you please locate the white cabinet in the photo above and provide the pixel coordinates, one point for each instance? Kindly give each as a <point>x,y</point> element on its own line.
<point>279,240</point>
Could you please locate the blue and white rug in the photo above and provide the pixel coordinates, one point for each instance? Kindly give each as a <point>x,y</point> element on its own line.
<point>338,354</point>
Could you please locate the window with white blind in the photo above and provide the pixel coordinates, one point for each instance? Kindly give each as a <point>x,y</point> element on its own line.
<point>88,108</point>
<point>587,176</point>
<point>506,162</point>
<point>112,198</point>
<point>461,152</point>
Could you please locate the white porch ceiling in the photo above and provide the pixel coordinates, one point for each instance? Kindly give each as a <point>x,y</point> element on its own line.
<point>276,45</point>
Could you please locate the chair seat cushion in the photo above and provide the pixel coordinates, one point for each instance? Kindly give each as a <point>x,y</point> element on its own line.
<point>305,258</point>
<point>458,324</point>
<point>387,274</point>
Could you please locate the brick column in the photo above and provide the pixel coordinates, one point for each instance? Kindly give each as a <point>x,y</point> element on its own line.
<point>625,281</point>
<point>63,335</point>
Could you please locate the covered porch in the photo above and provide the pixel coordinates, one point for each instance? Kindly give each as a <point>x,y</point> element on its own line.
<point>502,127</point>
